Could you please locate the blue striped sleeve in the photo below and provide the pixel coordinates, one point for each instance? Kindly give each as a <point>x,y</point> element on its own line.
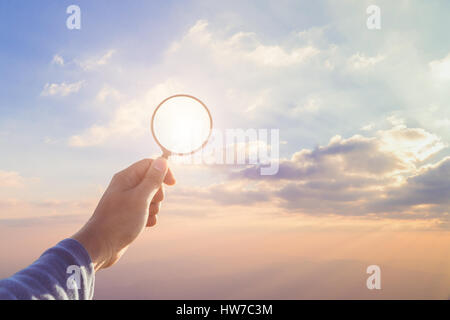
<point>63,272</point>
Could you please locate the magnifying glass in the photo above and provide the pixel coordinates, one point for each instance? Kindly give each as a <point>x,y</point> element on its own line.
<point>181,125</point>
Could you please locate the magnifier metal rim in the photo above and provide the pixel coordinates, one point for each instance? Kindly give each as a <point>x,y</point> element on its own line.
<point>169,152</point>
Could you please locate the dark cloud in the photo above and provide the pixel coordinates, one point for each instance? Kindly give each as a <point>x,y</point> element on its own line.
<point>350,156</point>
<point>381,176</point>
<point>431,186</point>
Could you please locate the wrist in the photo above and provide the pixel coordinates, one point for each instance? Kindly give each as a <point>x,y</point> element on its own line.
<point>94,245</point>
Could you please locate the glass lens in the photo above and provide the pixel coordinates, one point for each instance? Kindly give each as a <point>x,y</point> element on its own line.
<point>181,124</point>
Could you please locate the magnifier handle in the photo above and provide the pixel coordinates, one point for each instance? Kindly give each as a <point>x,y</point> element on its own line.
<point>166,154</point>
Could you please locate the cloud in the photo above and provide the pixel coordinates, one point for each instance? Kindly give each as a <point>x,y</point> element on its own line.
<point>54,220</point>
<point>241,46</point>
<point>130,119</point>
<point>183,69</point>
<point>311,85</point>
<point>410,144</point>
<point>311,105</point>
<point>303,83</point>
<point>360,61</point>
<point>58,60</point>
<point>235,193</point>
<point>382,176</point>
<point>429,188</point>
<point>61,89</point>
<point>443,122</point>
<point>94,63</point>
<point>368,127</point>
<point>88,64</point>
<point>108,92</point>
<point>11,179</point>
<point>13,209</point>
<point>388,153</point>
<point>441,68</point>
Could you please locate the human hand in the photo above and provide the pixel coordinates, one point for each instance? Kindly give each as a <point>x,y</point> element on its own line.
<point>131,202</point>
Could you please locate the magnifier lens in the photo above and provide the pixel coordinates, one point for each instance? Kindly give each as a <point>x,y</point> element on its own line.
<point>181,124</point>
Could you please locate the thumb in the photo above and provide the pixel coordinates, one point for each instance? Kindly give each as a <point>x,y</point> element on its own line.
<point>154,177</point>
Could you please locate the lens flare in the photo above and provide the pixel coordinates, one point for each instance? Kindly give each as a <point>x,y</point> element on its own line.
<point>181,124</point>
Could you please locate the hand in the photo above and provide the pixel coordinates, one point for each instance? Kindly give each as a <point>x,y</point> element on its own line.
<point>131,202</point>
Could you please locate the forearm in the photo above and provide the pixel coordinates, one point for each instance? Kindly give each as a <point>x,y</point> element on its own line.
<point>98,251</point>
<point>47,278</point>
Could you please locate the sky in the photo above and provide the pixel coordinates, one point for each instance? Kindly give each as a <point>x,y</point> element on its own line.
<point>364,124</point>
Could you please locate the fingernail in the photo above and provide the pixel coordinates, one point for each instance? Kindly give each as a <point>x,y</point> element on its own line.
<point>160,164</point>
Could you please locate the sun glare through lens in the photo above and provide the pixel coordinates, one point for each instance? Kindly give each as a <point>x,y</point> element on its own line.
<point>182,124</point>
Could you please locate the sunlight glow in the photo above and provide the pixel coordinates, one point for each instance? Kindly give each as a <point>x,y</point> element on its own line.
<point>182,124</point>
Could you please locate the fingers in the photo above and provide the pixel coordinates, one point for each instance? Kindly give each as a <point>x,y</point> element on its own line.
<point>153,214</point>
<point>154,208</point>
<point>133,175</point>
<point>152,220</point>
<point>159,196</point>
<point>138,170</point>
<point>154,177</point>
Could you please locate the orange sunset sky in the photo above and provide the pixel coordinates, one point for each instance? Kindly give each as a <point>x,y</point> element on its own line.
<point>364,160</point>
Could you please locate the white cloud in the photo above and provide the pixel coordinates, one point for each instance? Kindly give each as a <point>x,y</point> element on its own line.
<point>243,47</point>
<point>360,61</point>
<point>108,92</point>
<point>61,89</point>
<point>57,59</point>
<point>395,120</point>
<point>93,136</point>
<point>130,119</point>
<point>445,123</point>
<point>368,127</point>
<point>441,68</point>
<point>93,63</point>
<point>412,145</point>
<point>50,140</point>
<point>277,57</point>
<point>302,83</point>
<point>311,105</point>
<point>11,179</point>
<point>89,64</point>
